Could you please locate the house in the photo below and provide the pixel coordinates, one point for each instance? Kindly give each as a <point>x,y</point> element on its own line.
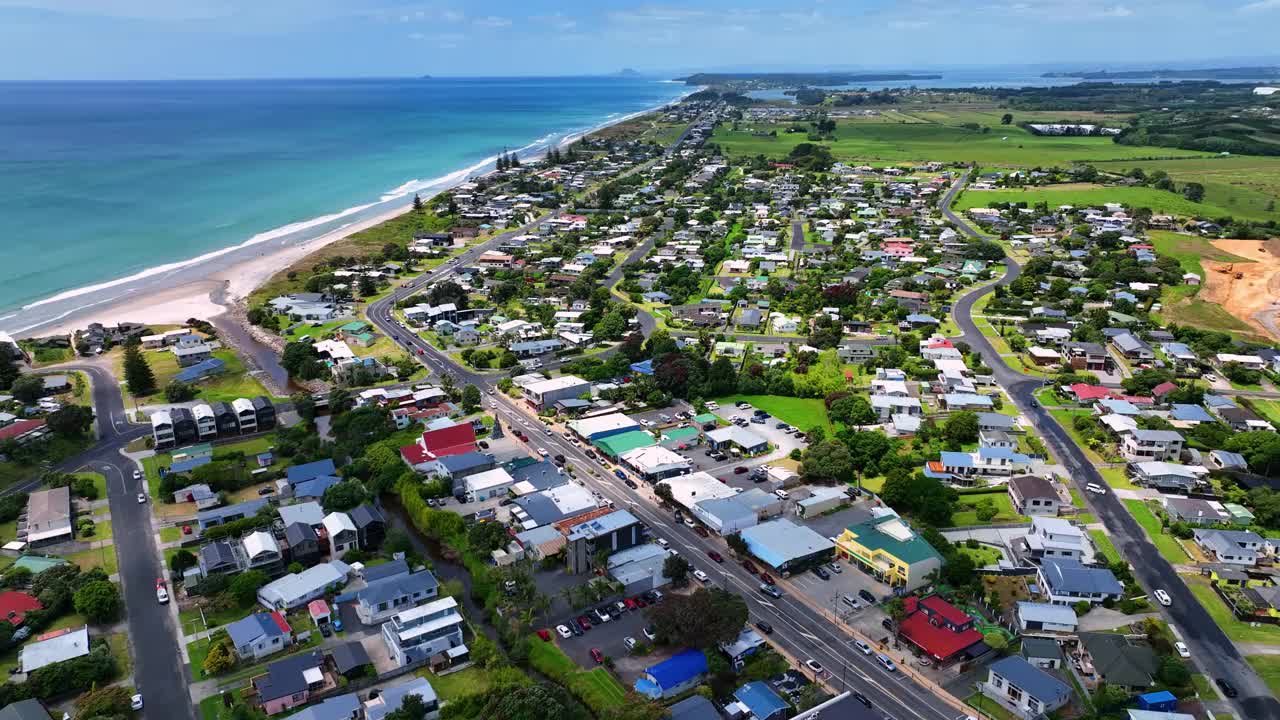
<point>1166,476</point>
<point>758,701</point>
<point>456,467</point>
<point>48,517</point>
<point>302,545</point>
<point>336,707</point>
<point>217,558</point>
<point>53,647</point>
<point>1024,689</point>
<point>350,659</point>
<point>342,534</point>
<point>262,553</point>
<point>424,632</point>
<point>964,468</point>
<point>1088,356</point>
<point>890,550</point>
<point>1044,653</point>
<point>391,698</point>
<point>289,683</point>
<point>217,516</point>
<point>655,463</point>
<point>673,676</point>
<point>1046,617</point>
<point>546,393</point>
<point>189,355</point>
<point>391,589</point>
<point>1117,660</point>
<point>1233,547</point>
<point>297,589</point>
<point>1033,495</point>
<point>1065,581</point>
<point>1141,445</point>
<point>1195,511</point>
<point>1050,537</point>
<point>31,709</point>
<point>258,635</point>
<point>371,527</point>
<point>485,485</point>
<point>694,707</point>
<point>14,606</point>
<point>457,439</point>
<point>1132,347</point>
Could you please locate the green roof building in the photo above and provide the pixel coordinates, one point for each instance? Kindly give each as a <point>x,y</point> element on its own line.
<point>615,445</point>
<point>888,548</point>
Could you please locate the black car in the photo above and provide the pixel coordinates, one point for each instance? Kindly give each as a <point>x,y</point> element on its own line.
<point>507,501</point>
<point>631,483</point>
<point>591,454</point>
<point>764,627</point>
<point>1227,688</point>
<point>887,624</point>
<point>708,427</point>
<point>265,491</point>
<point>862,699</point>
<point>559,459</point>
<point>575,629</point>
<point>483,445</point>
<point>325,630</point>
<point>871,599</point>
<point>613,611</point>
<point>821,572</point>
<point>710,452</point>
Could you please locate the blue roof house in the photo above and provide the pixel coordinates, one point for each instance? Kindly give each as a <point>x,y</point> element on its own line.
<point>761,702</point>
<point>259,635</point>
<point>1161,701</point>
<point>301,473</point>
<point>682,671</point>
<point>1025,689</point>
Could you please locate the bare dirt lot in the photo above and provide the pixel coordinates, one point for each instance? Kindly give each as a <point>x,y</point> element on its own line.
<point>1254,297</point>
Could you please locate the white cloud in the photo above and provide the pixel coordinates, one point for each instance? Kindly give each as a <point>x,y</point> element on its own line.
<point>558,20</point>
<point>493,21</point>
<point>908,24</point>
<point>1118,11</point>
<point>656,14</point>
<point>1260,6</point>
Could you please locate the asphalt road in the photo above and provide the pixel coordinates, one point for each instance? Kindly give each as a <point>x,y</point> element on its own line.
<point>158,669</point>
<point>1211,649</point>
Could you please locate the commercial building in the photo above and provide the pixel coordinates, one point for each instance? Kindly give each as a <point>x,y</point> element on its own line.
<point>890,550</point>
<point>615,445</point>
<point>787,547</point>
<point>602,426</point>
<point>639,568</point>
<point>655,463</point>
<point>820,500</point>
<point>608,533</point>
<point>737,438</point>
<point>943,631</point>
<point>546,393</point>
<point>485,485</point>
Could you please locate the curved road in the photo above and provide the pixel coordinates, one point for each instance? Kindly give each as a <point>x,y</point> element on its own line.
<point>1210,647</point>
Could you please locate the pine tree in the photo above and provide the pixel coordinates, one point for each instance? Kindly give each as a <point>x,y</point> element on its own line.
<point>8,370</point>
<point>417,202</point>
<point>502,161</point>
<point>513,161</point>
<point>137,373</point>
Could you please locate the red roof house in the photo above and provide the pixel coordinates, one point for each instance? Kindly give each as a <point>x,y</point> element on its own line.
<point>19,428</point>
<point>15,605</point>
<point>452,440</point>
<point>1088,393</point>
<point>939,628</point>
<point>1163,389</point>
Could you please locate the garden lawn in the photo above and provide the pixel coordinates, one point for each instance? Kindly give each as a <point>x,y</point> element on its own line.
<point>1269,409</point>
<point>598,689</point>
<point>1103,545</point>
<point>967,514</point>
<point>170,534</point>
<point>1117,479</point>
<point>1065,418</point>
<point>472,681</point>
<point>1268,668</point>
<point>99,482</point>
<point>804,413</point>
<point>104,557</point>
<point>1204,688</point>
<point>1223,618</point>
<point>1167,545</point>
<point>989,708</point>
<point>234,383</point>
<point>981,556</point>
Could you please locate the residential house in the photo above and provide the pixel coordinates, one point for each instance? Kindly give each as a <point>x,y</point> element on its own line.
<point>289,683</point>
<point>1118,660</point>
<point>1044,653</point>
<point>1195,511</point>
<point>391,699</point>
<point>1033,495</point>
<point>260,634</point>
<point>1024,689</point>
<point>421,633</point>
<point>1046,617</point>
<point>1141,445</point>
<point>1050,537</point>
<point>943,631</point>
<point>371,527</point>
<point>391,589</point>
<point>1167,476</point>
<point>342,534</point>
<point>1232,547</point>
<point>1064,581</point>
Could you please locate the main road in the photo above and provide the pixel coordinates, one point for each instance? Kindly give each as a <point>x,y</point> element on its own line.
<point>1210,647</point>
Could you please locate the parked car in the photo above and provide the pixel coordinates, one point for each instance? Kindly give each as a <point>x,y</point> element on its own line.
<point>559,459</point>
<point>865,595</point>
<point>766,578</point>
<point>630,483</point>
<point>1227,688</point>
<point>563,631</point>
<point>699,530</point>
<point>886,663</point>
<point>715,556</point>
<point>701,576</point>
<point>584,623</point>
<point>864,648</point>
<point>821,572</point>
<point>834,567</point>
<point>862,699</point>
<point>758,420</point>
<point>749,567</point>
<point>629,643</point>
<point>575,629</point>
<point>601,615</point>
<point>1163,598</point>
<point>597,655</point>
<point>142,498</point>
<point>651,633</point>
<point>815,666</point>
<point>764,627</point>
<point>621,606</point>
<point>1095,488</point>
<point>770,590</point>
<point>619,474</point>
<point>135,702</point>
<point>1183,650</point>
<point>545,635</point>
<point>740,470</point>
<point>613,611</point>
<point>162,592</point>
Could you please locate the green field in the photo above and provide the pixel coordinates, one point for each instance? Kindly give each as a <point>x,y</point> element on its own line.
<point>941,139</point>
<point>1116,478</point>
<point>1268,668</point>
<point>967,514</point>
<point>599,690</point>
<point>804,413</point>
<point>1190,250</point>
<point>1159,201</point>
<point>1167,545</point>
<point>1247,185</point>
<point>1222,617</point>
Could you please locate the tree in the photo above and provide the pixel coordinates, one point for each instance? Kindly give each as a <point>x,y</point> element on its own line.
<point>1193,191</point>
<point>828,461</point>
<point>417,202</point>
<point>1006,119</point>
<point>219,659</point>
<point>109,701</point>
<point>1261,449</point>
<point>99,601</point>
<point>486,537</point>
<point>470,398</point>
<point>961,428</point>
<point>301,361</point>
<point>701,619</point>
<point>676,568</point>
<point>178,391</point>
<point>137,373</point>
<point>244,587</point>
<point>343,496</point>
<point>411,708</point>
<point>8,368</point>
<point>180,561</point>
<point>534,702</point>
<point>737,544</point>
<point>1173,672</point>
<point>27,388</point>
<point>71,420</point>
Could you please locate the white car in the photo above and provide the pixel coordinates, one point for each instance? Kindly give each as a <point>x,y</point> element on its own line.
<point>701,576</point>
<point>815,666</point>
<point>142,498</point>
<point>542,452</point>
<point>137,474</point>
<point>135,702</point>
<point>1095,488</point>
<point>629,643</point>
<point>646,422</point>
<point>713,405</point>
<point>662,542</point>
<point>1163,598</point>
<point>1209,377</point>
<point>1183,651</point>
<point>563,631</point>
<point>162,592</point>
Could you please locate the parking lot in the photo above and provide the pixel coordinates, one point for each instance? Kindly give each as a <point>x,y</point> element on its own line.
<point>608,638</point>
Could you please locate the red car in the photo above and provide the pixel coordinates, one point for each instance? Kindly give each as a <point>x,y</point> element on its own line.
<point>544,635</point>
<point>740,470</point>
<point>715,556</point>
<point>640,602</point>
<point>766,579</point>
<point>631,604</point>
<point>420,352</point>
<point>749,567</point>
<point>597,655</point>
<point>186,529</point>
<point>584,623</point>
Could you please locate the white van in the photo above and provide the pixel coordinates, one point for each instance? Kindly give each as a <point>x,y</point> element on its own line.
<point>782,494</point>
<point>1095,488</point>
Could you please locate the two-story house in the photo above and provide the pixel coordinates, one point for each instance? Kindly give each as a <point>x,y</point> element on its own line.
<point>392,589</point>
<point>422,632</point>
<point>1142,445</point>
<point>1023,689</point>
<point>1050,537</point>
<point>1033,495</point>
<point>341,533</point>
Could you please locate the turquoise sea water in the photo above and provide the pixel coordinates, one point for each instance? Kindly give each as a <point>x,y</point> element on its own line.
<point>101,181</point>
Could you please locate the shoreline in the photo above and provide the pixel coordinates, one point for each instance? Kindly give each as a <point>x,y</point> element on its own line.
<point>172,293</point>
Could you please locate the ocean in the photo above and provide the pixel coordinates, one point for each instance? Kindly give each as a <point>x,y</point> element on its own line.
<point>105,184</point>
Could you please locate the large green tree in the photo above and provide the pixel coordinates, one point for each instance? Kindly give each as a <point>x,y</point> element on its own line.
<point>137,372</point>
<point>98,601</point>
<point>827,461</point>
<point>702,619</point>
<point>27,388</point>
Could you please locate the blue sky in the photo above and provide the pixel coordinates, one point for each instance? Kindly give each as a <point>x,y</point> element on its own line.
<point>147,39</point>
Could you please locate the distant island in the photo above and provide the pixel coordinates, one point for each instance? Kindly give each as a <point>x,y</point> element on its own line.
<point>424,77</point>
<point>778,79</point>
<point>1235,73</point>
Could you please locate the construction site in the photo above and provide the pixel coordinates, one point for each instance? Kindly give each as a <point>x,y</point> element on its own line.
<point>1249,291</point>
